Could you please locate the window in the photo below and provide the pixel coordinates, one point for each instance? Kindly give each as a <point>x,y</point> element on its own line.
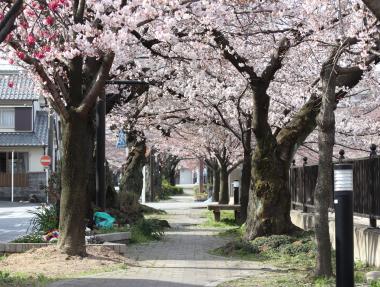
<point>21,162</point>
<point>23,119</point>
<point>7,118</point>
<point>17,118</point>
<point>3,162</point>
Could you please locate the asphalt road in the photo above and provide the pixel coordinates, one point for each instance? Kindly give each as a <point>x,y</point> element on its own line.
<point>14,219</point>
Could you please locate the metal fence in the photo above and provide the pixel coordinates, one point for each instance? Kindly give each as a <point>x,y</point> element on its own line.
<point>366,171</point>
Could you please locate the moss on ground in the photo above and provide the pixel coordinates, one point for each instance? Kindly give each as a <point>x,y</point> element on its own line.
<point>294,256</point>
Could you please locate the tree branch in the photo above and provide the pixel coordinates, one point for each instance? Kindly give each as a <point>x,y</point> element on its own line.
<point>48,84</point>
<point>239,62</point>
<point>374,6</point>
<point>276,61</point>
<point>7,24</point>
<point>97,85</point>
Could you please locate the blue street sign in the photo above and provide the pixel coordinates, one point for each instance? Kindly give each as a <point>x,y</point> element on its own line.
<point>121,140</point>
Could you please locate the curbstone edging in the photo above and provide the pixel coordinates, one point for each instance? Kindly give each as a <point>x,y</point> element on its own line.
<point>116,236</point>
<point>23,247</point>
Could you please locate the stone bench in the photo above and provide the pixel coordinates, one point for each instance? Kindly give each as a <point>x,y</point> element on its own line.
<point>216,208</point>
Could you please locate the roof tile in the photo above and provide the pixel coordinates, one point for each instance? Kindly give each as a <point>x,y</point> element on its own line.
<point>23,86</point>
<point>39,137</point>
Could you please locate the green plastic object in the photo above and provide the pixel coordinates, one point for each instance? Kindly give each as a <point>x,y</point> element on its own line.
<point>103,220</point>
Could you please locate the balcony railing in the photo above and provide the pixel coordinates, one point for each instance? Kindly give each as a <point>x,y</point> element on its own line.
<point>20,179</point>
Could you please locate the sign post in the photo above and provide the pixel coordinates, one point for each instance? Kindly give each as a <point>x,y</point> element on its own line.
<point>45,162</point>
<point>13,175</point>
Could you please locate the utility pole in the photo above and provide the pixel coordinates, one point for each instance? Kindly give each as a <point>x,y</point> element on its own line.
<point>101,152</point>
<point>101,141</point>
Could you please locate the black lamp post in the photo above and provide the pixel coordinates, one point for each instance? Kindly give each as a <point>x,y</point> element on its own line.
<point>344,237</point>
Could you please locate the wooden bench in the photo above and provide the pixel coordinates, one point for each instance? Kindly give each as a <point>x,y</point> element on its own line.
<point>216,208</point>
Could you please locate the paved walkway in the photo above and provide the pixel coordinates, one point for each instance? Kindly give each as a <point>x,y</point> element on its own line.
<point>180,260</point>
<point>14,219</point>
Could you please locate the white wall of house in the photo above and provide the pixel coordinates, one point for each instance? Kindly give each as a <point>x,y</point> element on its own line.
<point>185,176</point>
<point>34,159</point>
<point>35,154</point>
<point>234,175</point>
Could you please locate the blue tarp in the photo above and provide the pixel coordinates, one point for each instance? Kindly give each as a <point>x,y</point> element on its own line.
<point>103,220</point>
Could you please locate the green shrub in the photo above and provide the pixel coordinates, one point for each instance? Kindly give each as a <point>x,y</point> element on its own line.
<point>5,277</point>
<point>200,196</point>
<point>44,220</point>
<point>146,230</point>
<point>206,187</point>
<point>169,190</point>
<point>29,238</point>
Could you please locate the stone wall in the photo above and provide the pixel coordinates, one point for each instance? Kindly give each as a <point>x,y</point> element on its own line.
<point>36,180</point>
<point>366,240</point>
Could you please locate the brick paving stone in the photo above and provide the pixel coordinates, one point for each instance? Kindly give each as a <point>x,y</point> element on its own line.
<point>181,259</point>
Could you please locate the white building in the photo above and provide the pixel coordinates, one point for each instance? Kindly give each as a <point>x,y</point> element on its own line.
<point>24,133</point>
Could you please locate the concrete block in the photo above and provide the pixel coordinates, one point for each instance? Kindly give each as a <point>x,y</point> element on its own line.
<point>372,276</point>
<point>117,236</point>
<point>19,248</point>
<point>366,240</point>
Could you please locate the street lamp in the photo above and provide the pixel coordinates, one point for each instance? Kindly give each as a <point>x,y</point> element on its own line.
<point>236,185</point>
<point>344,238</point>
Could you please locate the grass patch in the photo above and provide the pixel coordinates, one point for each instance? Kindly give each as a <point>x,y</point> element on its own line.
<point>235,233</point>
<point>29,238</point>
<point>20,280</point>
<point>294,255</point>
<point>147,230</point>
<point>23,280</point>
<point>227,219</point>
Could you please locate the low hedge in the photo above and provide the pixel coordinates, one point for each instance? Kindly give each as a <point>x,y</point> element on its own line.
<point>169,190</point>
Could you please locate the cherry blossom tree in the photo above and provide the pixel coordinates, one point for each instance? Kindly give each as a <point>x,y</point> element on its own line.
<point>279,59</point>
<point>71,46</point>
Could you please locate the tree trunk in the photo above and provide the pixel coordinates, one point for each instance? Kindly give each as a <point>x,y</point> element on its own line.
<point>153,177</point>
<point>210,179</point>
<point>132,179</point>
<point>323,190</point>
<point>245,185</point>
<point>168,167</point>
<point>216,187</point>
<point>111,195</point>
<point>77,146</point>
<point>269,203</point>
<point>224,193</point>
<point>201,177</point>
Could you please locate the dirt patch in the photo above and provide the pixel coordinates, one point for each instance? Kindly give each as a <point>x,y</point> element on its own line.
<point>50,262</point>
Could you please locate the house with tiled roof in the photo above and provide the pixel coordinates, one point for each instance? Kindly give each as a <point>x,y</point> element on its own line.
<point>24,136</point>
